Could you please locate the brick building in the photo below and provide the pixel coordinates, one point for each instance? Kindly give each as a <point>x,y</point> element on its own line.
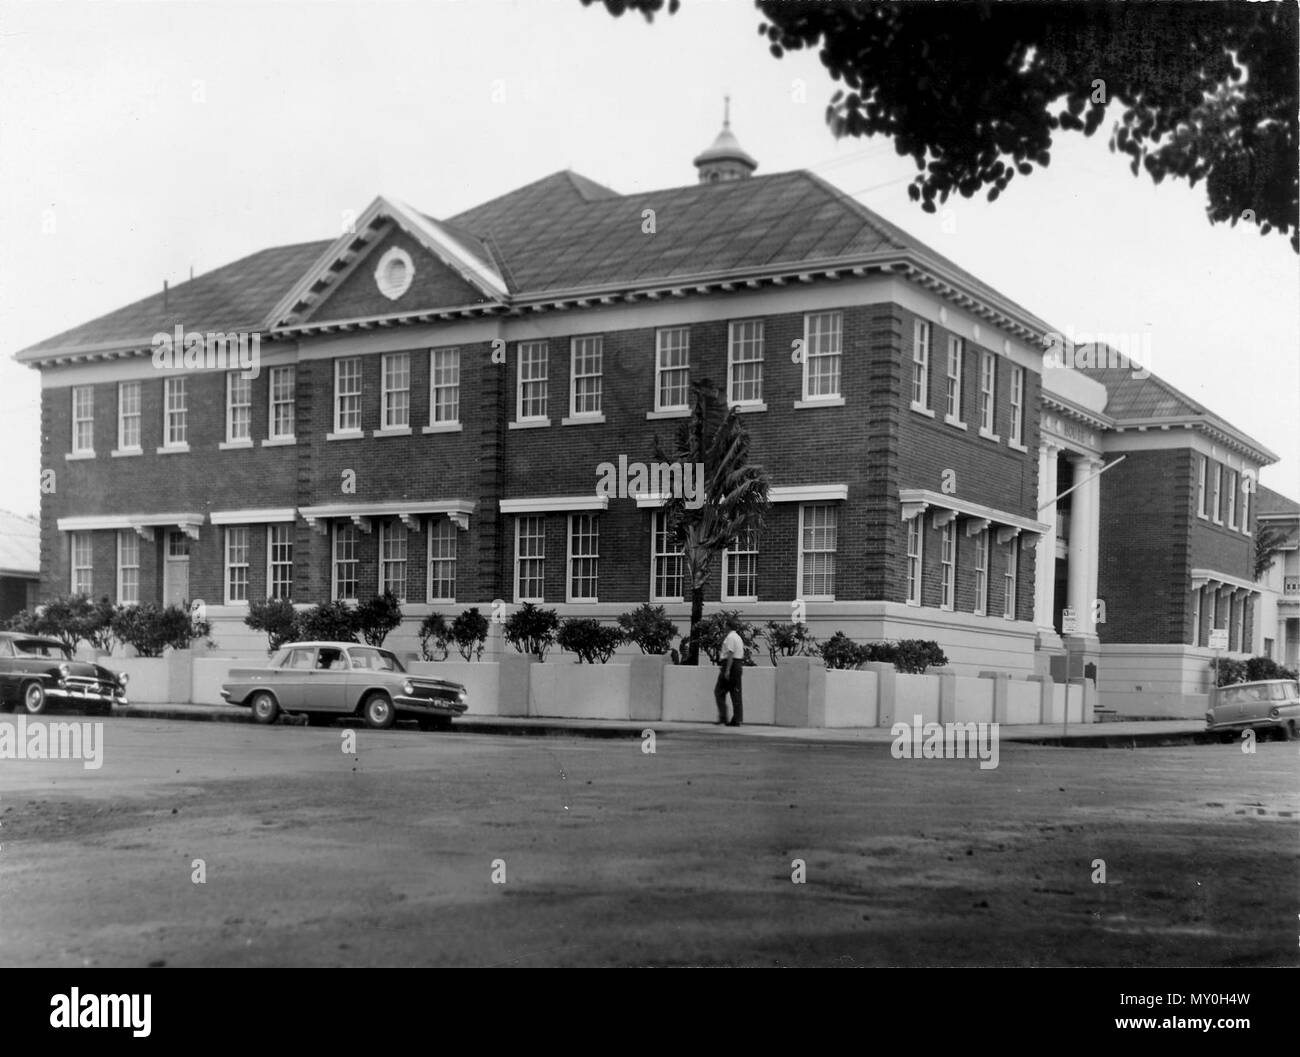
<point>434,399</point>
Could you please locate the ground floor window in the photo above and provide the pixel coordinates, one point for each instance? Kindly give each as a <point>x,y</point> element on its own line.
<point>345,561</point>
<point>392,559</point>
<point>740,569</point>
<point>128,567</point>
<point>1009,579</point>
<point>82,564</point>
<point>530,559</point>
<point>442,561</point>
<point>817,544</point>
<point>279,551</point>
<point>584,558</point>
<point>236,575</point>
<point>666,582</point>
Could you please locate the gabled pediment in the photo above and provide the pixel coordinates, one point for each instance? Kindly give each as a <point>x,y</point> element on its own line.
<point>393,261</point>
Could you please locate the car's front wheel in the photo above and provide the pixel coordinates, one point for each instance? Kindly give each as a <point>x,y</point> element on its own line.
<point>378,712</point>
<point>34,700</point>
<point>264,706</point>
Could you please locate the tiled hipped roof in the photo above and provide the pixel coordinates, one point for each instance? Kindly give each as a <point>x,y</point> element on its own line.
<point>566,232</point>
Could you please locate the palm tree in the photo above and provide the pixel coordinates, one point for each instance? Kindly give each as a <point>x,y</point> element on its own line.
<point>734,492</point>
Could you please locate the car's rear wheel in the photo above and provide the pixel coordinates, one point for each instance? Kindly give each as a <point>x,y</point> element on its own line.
<point>378,711</point>
<point>265,708</point>
<point>435,722</point>
<point>34,700</point>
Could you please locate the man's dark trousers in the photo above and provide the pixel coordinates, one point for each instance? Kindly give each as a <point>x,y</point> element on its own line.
<point>730,685</point>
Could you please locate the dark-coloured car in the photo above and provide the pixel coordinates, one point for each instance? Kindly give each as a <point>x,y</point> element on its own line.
<point>1271,704</point>
<point>37,674</point>
<point>326,680</point>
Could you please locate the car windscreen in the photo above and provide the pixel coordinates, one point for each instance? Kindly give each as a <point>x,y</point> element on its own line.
<point>37,648</point>
<point>374,660</point>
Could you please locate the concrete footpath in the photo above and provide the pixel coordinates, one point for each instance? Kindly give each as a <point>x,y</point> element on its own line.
<point>1103,735</point>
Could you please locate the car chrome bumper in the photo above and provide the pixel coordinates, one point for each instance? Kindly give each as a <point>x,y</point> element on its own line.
<point>427,706</point>
<point>58,693</point>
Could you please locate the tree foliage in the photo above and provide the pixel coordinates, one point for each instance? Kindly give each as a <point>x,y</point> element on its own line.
<point>975,92</point>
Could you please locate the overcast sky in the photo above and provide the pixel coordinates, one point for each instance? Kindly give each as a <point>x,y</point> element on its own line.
<point>165,136</point>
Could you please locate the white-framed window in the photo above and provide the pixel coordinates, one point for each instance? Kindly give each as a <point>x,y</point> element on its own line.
<point>128,416</point>
<point>128,567</point>
<point>175,411</point>
<point>1018,405</point>
<point>988,388</point>
<point>281,424</point>
<point>239,407</point>
<point>442,560</point>
<point>531,399</point>
<point>345,562</point>
<point>530,558</point>
<point>921,365</point>
<point>817,542</point>
<point>948,564</point>
<point>236,564</point>
<point>1202,493</point>
<point>821,362</point>
<point>82,555</point>
<point>347,395</point>
<point>279,560</point>
<point>1216,510</point>
<point>672,368</point>
<point>396,369</point>
<point>666,562</point>
<point>740,569</point>
<point>1245,505</point>
<point>392,558</point>
<point>1232,499</point>
<point>1196,616</point>
<point>585,379</point>
<point>1009,579</point>
<point>584,558</point>
<point>914,545</point>
<point>745,362</point>
<point>956,353</point>
<point>83,419</point>
<point>444,386</point>
<point>981,565</point>
<point>1242,645</point>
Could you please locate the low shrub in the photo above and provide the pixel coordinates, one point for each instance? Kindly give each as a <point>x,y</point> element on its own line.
<point>276,617</point>
<point>649,627</point>
<point>532,630</point>
<point>375,618</point>
<point>151,629</point>
<point>787,639</point>
<point>906,655</point>
<point>591,640</point>
<point>1254,669</point>
<point>713,629</point>
<point>434,637</point>
<point>326,622</point>
<point>469,632</point>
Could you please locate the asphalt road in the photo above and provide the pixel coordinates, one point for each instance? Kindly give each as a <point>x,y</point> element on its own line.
<point>608,855</point>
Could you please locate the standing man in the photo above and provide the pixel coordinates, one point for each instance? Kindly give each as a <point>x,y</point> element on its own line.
<point>731,659</point>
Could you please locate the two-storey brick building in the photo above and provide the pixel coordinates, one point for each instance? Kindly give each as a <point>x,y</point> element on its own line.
<point>434,400</point>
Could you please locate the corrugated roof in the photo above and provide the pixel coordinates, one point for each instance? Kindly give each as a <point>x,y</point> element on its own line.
<point>1150,397</point>
<point>1268,501</point>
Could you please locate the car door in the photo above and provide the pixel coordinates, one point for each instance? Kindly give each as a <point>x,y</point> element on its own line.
<point>326,689</point>
<point>8,680</point>
<point>291,680</point>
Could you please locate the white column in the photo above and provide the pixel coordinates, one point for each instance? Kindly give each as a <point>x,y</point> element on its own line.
<point>1093,488</point>
<point>1045,556</point>
<point>1082,543</point>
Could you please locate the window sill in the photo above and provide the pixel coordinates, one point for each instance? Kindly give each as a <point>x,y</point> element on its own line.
<point>174,449</point>
<point>824,401</point>
<point>529,423</point>
<point>674,412</point>
<point>920,410</point>
<point>956,422</point>
<point>74,456</point>
<point>230,445</point>
<point>666,600</point>
<point>535,601</point>
<point>991,436</point>
<point>279,442</point>
<point>581,601</point>
<point>125,453</point>
<point>746,409</point>
<point>741,598</point>
<point>1018,447</point>
<point>347,434</point>
<point>443,427</point>
<point>913,602</point>
<point>392,431</point>
<point>583,420</point>
<point>236,605</point>
<point>817,598</point>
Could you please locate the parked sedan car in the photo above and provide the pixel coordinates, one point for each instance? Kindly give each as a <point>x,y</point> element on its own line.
<point>326,680</point>
<point>1272,704</point>
<point>38,673</point>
